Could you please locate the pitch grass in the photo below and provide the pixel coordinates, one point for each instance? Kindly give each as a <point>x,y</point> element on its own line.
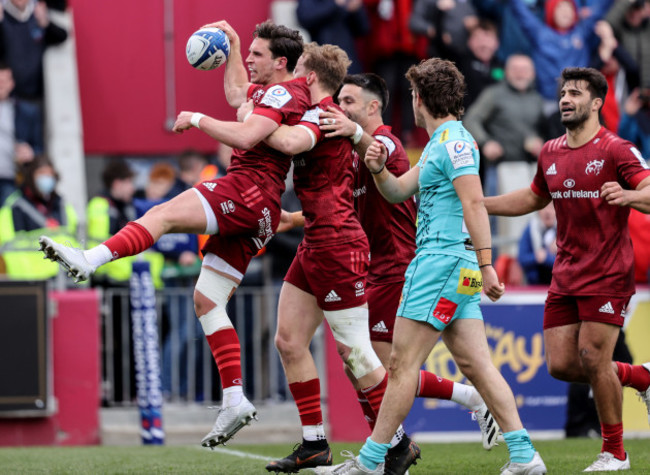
<point>568,456</point>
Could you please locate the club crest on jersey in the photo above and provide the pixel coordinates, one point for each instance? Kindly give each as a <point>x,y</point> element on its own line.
<point>594,167</point>
<point>569,183</point>
<point>470,281</point>
<point>460,154</point>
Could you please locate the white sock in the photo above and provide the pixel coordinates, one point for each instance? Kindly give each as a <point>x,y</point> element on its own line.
<point>313,433</point>
<point>232,396</point>
<point>98,255</point>
<point>467,396</point>
<point>397,437</point>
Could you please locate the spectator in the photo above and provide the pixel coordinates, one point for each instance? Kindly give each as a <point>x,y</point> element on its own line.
<point>28,212</point>
<point>479,65</point>
<point>538,247</point>
<point>337,22</point>
<point>507,121</point>
<point>445,23</point>
<point>635,122</point>
<point>26,32</point>
<point>191,164</point>
<point>631,23</point>
<point>160,185</point>
<point>562,40</point>
<point>7,141</point>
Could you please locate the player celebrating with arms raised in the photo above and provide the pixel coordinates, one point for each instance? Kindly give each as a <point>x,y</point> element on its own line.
<point>593,177</point>
<point>240,210</point>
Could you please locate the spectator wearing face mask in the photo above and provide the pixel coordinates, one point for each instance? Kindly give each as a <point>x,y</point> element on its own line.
<point>27,213</point>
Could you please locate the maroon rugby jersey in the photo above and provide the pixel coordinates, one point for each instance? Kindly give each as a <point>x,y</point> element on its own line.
<point>285,103</point>
<point>594,247</point>
<point>390,227</point>
<point>323,179</point>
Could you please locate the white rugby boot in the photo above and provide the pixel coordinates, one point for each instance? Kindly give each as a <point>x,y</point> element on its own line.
<point>489,427</point>
<point>70,258</point>
<point>534,467</point>
<point>352,466</point>
<point>606,462</point>
<point>645,395</point>
<point>229,421</point>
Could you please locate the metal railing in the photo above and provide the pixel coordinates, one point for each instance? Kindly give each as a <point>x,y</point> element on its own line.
<point>189,373</point>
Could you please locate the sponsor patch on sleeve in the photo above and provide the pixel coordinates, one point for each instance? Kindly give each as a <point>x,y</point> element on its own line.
<point>311,115</point>
<point>470,281</point>
<point>638,155</point>
<point>276,96</point>
<point>460,154</point>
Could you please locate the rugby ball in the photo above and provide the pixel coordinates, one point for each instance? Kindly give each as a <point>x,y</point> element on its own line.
<point>207,48</point>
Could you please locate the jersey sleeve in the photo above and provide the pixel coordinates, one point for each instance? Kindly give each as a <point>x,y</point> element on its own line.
<point>458,158</point>
<point>276,103</point>
<point>397,161</point>
<point>539,185</point>
<point>631,167</point>
<point>311,120</point>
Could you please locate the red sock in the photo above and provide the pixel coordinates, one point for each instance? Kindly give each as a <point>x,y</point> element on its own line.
<point>307,397</point>
<point>132,239</point>
<point>368,414</point>
<point>635,376</point>
<point>227,353</point>
<point>432,386</point>
<point>375,394</point>
<point>613,439</point>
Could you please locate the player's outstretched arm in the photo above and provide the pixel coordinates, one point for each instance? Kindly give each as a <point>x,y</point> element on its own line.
<point>334,123</point>
<point>292,139</point>
<point>394,189</point>
<point>639,199</point>
<point>468,189</point>
<point>241,135</point>
<point>515,203</point>
<point>235,81</point>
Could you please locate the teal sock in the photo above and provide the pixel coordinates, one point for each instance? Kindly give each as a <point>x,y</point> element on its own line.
<point>519,445</point>
<point>372,453</point>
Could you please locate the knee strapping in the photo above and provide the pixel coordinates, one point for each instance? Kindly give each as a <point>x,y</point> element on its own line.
<point>350,327</point>
<point>217,289</point>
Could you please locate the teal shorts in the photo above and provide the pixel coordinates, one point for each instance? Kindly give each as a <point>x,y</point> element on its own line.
<point>440,289</point>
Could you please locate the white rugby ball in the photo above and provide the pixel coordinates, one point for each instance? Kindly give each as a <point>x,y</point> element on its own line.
<point>207,48</point>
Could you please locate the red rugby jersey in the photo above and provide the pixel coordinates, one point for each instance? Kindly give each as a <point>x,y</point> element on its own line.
<point>323,179</point>
<point>594,247</point>
<point>285,103</point>
<point>390,227</point>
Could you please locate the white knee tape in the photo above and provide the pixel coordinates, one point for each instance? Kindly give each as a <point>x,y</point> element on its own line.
<point>350,327</point>
<point>216,288</point>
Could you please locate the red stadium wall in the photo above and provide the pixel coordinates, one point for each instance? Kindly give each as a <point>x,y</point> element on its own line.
<point>121,63</point>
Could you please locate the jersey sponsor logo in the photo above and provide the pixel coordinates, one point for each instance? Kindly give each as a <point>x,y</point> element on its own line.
<point>444,310</point>
<point>359,289</point>
<point>276,97</point>
<point>227,207</point>
<point>380,328</point>
<point>332,297</point>
<point>444,136</point>
<point>470,281</point>
<point>558,195</point>
<point>210,185</point>
<point>594,167</point>
<point>359,191</point>
<point>551,170</point>
<point>638,155</point>
<point>607,308</point>
<point>569,183</point>
<point>460,154</point>
<point>312,115</point>
<point>388,143</point>
<point>299,162</point>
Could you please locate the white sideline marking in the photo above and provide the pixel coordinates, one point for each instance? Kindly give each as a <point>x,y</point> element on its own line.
<point>239,453</point>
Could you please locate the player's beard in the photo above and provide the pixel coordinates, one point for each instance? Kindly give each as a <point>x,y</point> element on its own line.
<point>579,117</point>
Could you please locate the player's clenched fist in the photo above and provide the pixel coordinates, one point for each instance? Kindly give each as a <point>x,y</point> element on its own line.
<point>375,157</point>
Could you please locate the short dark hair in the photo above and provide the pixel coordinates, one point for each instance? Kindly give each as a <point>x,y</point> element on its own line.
<point>596,82</point>
<point>283,41</point>
<point>371,83</point>
<point>190,156</point>
<point>440,85</point>
<point>116,169</point>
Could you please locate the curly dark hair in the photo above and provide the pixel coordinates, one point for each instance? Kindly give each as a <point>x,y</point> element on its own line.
<point>283,41</point>
<point>596,82</point>
<point>440,85</point>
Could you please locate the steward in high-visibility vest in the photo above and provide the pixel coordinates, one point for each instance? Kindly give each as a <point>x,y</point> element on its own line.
<point>29,212</point>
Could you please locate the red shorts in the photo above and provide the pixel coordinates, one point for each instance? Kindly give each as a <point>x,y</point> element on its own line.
<point>247,218</point>
<point>335,275</point>
<point>563,310</point>
<point>383,301</point>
